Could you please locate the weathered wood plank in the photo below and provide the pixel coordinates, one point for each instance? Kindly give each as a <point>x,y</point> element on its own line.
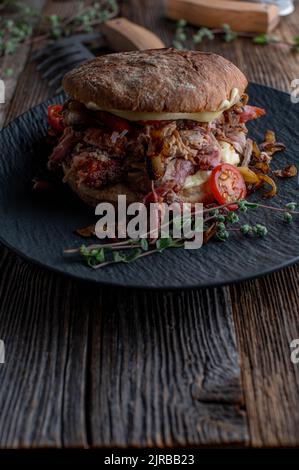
<point>125,367</point>
<point>270,305</point>
<point>37,324</point>
<point>31,89</point>
<point>164,370</point>
<point>147,368</point>
<point>17,63</point>
<point>266,315</point>
<point>89,366</point>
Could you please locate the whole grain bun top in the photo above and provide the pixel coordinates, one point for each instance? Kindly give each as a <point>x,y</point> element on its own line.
<point>157,80</point>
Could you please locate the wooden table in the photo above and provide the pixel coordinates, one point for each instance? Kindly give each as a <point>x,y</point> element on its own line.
<point>92,367</point>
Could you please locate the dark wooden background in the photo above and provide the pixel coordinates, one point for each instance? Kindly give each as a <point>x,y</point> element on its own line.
<point>91,367</point>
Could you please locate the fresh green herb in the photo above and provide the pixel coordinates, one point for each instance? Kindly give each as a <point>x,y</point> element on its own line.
<point>261,39</point>
<point>214,212</point>
<point>295,45</point>
<point>94,256</point>
<point>181,38</point>
<point>163,243</point>
<point>224,220</point>
<point>180,34</point>
<point>55,26</point>
<point>291,206</point>
<point>86,18</point>
<point>222,235</point>
<point>20,28</point>
<point>232,217</point>
<point>246,229</point>
<point>144,244</point>
<point>264,39</point>
<point>229,35</point>
<point>119,257</point>
<point>14,32</point>
<point>221,226</point>
<point>260,230</point>
<point>8,72</point>
<point>203,33</point>
<point>287,217</point>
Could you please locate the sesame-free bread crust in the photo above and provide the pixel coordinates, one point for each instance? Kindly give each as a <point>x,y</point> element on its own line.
<point>93,197</point>
<point>157,80</point>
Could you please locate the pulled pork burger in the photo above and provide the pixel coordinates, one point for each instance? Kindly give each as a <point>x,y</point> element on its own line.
<point>157,126</point>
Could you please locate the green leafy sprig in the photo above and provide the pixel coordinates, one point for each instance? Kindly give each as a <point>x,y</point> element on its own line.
<point>19,28</point>
<point>84,20</point>
<point>14,31</point>
<point>228,35</point>
<point>225,221</point>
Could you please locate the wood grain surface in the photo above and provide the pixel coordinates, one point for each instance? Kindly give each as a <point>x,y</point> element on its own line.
<point>93,367</point>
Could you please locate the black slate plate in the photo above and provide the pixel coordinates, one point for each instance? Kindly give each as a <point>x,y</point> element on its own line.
<point>40,229</point>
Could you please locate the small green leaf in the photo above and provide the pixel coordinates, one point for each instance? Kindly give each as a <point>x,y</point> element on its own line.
<point>229,35</point>
<point>181,23</point>
<point>202,33</point>
<point>84,251</point>
<point>246,229</point>
<point>291,206</point>
<point>119,257</point>
<point>260,230</point>
<point>164,243</point>
<point>144,244</point>
<point>222,235</point>
<point>221,227</point>
<point>232,217</point>
<point>8,72</point>
<point>100,255</point>
<point>287,217</point>
<point>261,39</point>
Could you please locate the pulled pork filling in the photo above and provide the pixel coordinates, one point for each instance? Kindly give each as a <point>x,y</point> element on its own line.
<point>157,157</point>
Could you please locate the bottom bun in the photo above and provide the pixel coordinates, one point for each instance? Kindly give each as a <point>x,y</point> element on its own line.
<point>93,197</point>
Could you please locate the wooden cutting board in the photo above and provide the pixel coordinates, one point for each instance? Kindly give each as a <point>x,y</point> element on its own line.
<point>124,35</point>
<point>241,16</point>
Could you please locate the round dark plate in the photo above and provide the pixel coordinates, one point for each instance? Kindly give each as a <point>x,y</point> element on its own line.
<point>40,228</point>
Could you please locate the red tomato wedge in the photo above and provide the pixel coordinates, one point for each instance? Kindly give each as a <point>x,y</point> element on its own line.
<point>55,117</point>
<point>251,112</point>
<point>114,122</point>
<point>227,184</point>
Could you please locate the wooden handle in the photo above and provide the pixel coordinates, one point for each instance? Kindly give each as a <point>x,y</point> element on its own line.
<point>241,16</point>
<point>123,35</point>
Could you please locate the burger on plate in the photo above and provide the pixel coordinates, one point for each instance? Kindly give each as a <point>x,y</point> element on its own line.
<point>157,126</point>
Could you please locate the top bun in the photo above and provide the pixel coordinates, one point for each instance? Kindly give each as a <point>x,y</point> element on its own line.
<point>156,81</point>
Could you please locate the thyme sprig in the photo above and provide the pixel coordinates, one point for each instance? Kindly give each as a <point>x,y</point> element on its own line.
<point>84,20</point>
<point>19,28</point>
<point>224,221</point>
<point>228,35</point>
<point>16,29</point>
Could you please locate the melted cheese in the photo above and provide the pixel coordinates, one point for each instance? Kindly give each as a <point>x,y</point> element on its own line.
<point>206,116</point>
<point>197,179</point>
<point>228,154</point>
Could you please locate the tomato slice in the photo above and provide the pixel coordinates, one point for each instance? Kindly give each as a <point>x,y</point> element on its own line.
<point>55,117</point>
<point>227,184</point>
<point>114,122</point>
<point>251,112</point>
